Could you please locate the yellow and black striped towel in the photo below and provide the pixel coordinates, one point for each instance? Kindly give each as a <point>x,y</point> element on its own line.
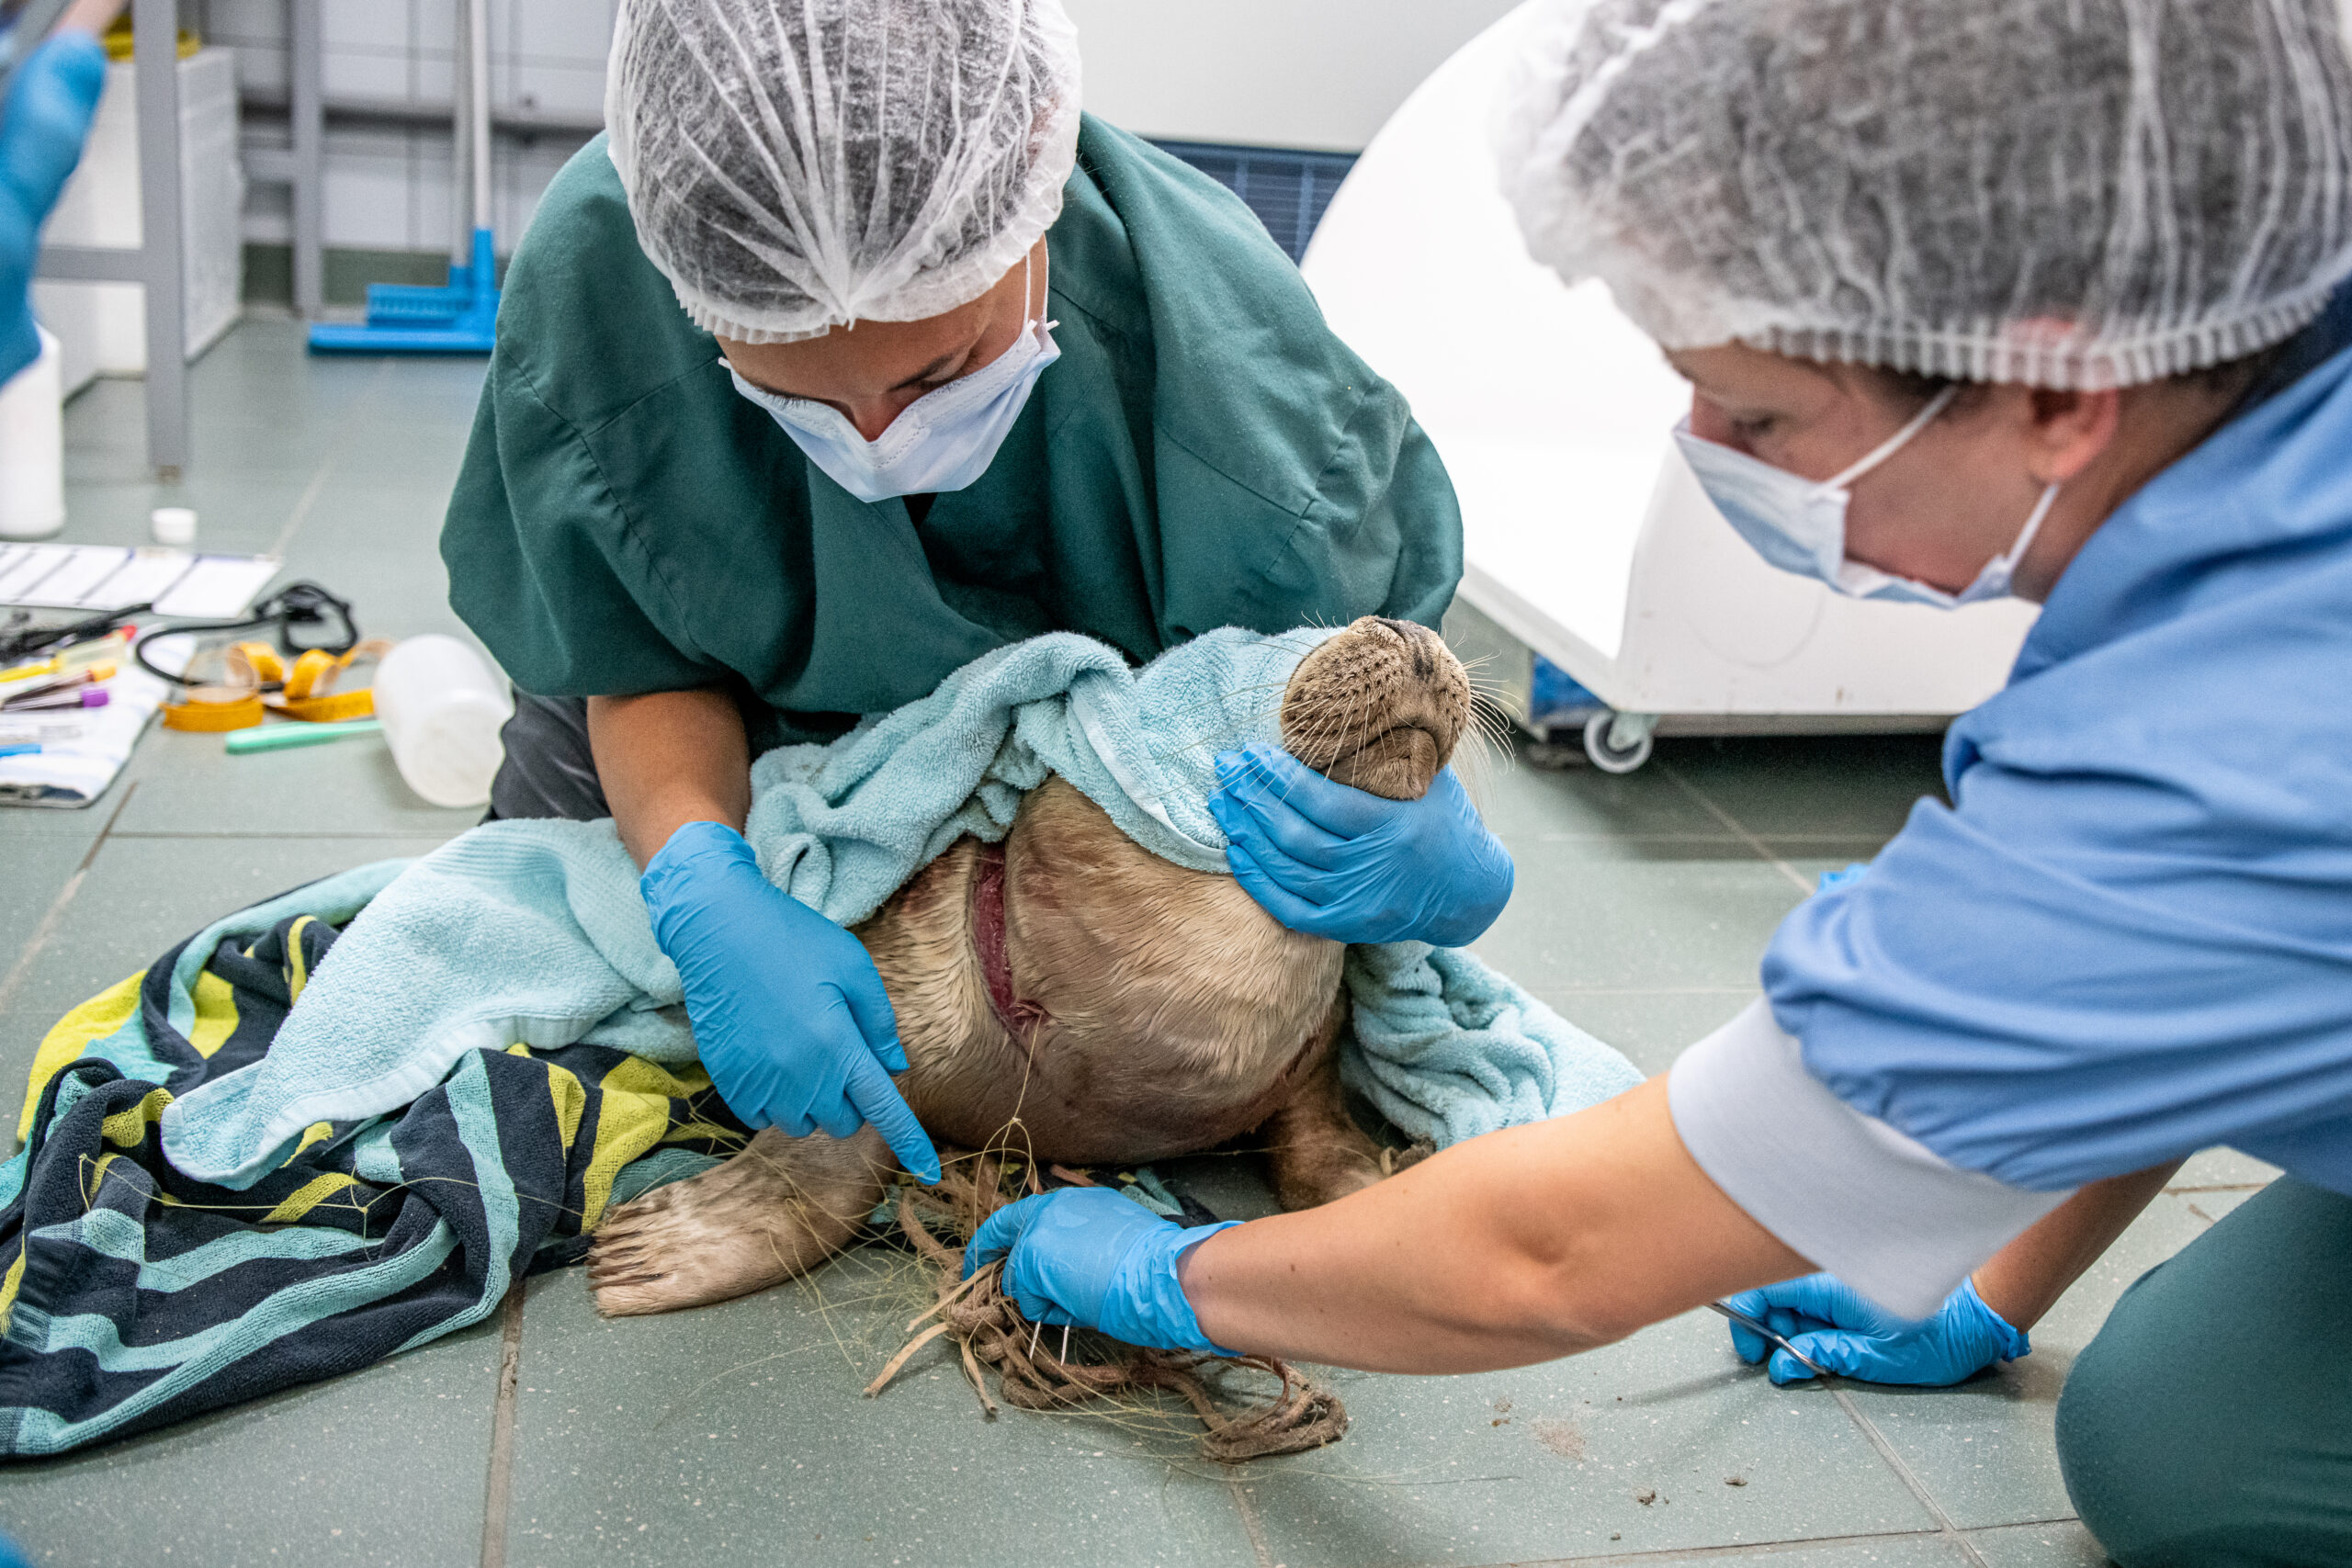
<point>135,1296</point>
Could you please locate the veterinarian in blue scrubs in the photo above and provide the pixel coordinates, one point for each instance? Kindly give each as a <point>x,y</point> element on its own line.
<point>853,352</point>
<point>2010,297</point>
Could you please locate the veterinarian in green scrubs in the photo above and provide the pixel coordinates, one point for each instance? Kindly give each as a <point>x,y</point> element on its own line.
<point>851,352</point>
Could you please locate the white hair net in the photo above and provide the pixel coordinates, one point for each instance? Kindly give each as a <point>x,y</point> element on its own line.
<point>795,164</point>
<point>2061,193</point>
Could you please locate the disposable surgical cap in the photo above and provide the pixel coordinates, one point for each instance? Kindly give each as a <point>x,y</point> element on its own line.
<point>2061,193</point>
<point>793,165</point>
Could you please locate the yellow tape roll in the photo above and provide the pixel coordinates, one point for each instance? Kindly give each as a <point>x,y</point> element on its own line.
<point>210,709</point>
<point>306,690</point>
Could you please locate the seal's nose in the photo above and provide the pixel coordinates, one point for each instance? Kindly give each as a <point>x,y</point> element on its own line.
<point>1415,637</point>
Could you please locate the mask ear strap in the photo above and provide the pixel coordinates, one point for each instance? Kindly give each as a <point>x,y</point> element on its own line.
<point>1894,443</point>
<point>2016,552</point>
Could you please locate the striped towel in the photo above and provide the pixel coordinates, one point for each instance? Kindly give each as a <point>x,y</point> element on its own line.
<point>135,1295</point>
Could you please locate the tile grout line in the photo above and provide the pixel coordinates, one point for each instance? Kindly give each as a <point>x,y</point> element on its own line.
<point>1738,828</point>
<point>1543,993</point>
<point>1698,838</point>
<point>1250,1522</point>
<point>500,1483</point>
<point>1755,1551</point>
<point>301,513</point>
<point>1904,1473</point>
<point>55,914</point>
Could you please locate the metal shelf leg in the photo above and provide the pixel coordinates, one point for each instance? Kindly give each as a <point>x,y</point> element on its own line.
<point>154,26</point>
<point>308,115</point>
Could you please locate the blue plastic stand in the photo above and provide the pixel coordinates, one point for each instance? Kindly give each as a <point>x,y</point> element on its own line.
<point>460,318</point>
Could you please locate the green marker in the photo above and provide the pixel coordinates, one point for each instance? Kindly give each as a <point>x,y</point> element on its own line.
<point>280,737</point>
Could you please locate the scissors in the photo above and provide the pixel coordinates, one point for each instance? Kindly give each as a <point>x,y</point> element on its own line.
<point>1753,1327</point>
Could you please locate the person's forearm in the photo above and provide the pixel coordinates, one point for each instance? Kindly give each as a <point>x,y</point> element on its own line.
<point>2025,1279</point>
<point>1518,1246</point>
<point>667,759</point>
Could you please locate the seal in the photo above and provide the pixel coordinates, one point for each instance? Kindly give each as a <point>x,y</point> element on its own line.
<point>1069,996</point>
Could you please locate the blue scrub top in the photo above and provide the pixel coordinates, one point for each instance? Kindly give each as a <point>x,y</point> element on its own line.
<point>2130,936</point>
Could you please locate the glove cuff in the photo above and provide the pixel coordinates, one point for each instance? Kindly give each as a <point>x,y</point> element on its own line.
<point>1154,1311</point>
<point>2011,1341</point>
<point>696,850</point>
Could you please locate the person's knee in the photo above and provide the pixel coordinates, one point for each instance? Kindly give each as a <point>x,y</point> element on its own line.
<point>2201,1426</point>
<point>2120,1467</point>
<point>2141,1469</point>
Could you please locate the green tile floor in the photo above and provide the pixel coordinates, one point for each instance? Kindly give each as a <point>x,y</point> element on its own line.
<point>737,1434</point>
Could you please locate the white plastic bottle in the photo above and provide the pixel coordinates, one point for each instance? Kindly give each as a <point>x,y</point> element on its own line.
<point>442,709</point>
<point>32,448</point>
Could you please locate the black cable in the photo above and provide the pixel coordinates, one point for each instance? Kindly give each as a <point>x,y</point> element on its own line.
<point>296,605</point>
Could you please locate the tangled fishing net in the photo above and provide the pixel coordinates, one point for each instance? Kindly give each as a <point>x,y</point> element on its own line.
<point>1035,1368</point>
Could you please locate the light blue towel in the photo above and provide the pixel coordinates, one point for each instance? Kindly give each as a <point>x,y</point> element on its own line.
<point>535,931</point>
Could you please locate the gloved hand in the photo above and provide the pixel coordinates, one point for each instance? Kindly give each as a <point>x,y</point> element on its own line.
<point>1332,860</point>
<point>1836,1326</point>
<point>42,124</point>
<point>788,1011</point>
<point>1088,1256</point>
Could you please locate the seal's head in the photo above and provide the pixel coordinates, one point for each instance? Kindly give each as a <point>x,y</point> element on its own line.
<point>1380,706</point>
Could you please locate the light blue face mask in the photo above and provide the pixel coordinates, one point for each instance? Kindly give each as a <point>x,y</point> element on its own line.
<point>941,441</point>
<point>1799,524</point>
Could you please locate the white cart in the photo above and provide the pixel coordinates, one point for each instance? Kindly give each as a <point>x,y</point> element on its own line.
<point>1588,541</point>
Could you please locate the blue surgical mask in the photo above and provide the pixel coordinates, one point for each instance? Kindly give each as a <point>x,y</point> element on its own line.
<point>1799,524</point>
<point>943,441</point>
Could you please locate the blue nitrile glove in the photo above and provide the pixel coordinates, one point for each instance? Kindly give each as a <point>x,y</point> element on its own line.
<point>788,1011</point>
<point>1830,879</point>
<point>1332,860</point>
<point>1839,1327</point>
<point>42,124</point>
<point>1089,1257</point>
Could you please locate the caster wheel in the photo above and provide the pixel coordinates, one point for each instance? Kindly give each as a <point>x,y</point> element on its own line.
<point>1606,755</point>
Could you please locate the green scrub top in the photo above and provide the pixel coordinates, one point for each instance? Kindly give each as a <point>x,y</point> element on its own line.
<point>1205,453</point>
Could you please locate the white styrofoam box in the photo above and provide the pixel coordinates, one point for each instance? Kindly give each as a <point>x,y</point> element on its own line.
<point>104,325</point>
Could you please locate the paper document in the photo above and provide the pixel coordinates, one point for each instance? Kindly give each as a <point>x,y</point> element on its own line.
<point>114,577</point>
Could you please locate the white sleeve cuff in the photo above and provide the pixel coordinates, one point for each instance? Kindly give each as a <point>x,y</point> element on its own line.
<point>1862,1201</point>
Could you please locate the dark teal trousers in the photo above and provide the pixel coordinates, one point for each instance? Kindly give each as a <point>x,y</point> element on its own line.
<point>2210,1424</point>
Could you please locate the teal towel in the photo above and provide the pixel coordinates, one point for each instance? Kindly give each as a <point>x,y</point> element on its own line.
<point>536,932</point>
